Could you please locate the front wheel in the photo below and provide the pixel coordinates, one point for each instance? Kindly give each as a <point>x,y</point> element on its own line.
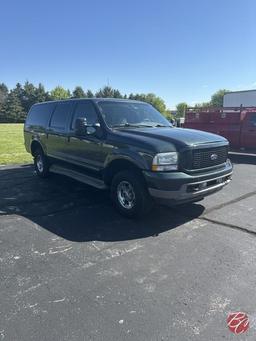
<point>130,195</point>
<point>41,163</point>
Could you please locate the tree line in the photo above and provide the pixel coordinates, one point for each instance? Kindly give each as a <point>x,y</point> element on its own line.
<point>216,101</point>
<point>15,103</point>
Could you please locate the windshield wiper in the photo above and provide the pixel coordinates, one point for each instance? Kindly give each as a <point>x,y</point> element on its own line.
<point>162,126</point>
<point>131,125</point>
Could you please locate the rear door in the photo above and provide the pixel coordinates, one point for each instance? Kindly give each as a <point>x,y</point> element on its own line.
<point>248,133</point>
<point>57,130</point>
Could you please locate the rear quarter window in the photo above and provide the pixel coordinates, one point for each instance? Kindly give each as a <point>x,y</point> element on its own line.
<point>39,115</point>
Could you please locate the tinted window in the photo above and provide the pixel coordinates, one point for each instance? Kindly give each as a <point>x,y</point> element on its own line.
<point>253,119</point>
<point>39,114</point>
<point>85,109</point>
<point>61,115</point>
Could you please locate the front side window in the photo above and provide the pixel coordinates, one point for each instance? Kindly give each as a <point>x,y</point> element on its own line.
<point>118,114</point>
<point>85,110</point>
<point>61,115</point>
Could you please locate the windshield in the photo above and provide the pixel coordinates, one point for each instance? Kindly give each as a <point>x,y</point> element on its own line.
<point>131,114</point>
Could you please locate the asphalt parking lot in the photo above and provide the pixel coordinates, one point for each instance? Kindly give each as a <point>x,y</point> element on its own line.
<point>74,269</point>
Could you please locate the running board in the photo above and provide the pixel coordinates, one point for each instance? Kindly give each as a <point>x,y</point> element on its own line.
<point>89,180</point>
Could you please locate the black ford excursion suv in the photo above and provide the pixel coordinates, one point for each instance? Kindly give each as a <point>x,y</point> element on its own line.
<point>128,147</point>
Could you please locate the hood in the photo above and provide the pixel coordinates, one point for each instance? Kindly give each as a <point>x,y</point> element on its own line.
<point>177,136</point>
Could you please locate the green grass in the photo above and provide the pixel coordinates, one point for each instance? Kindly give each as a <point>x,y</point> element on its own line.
<point>12,149</point>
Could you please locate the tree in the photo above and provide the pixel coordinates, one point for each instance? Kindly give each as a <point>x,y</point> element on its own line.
<point>156,101</point>
<point>105,92</point>
<point>202,105</point>
<point>181,109</point>
<point>137,97</point>
<point>117,94</point>
<point>19,91</point>
<point>108,92</point>
<point>15,104</point>
<point>14,111</point>
<point>217,98</point>
<point>32,94</point>
<point>3,97</point>
<point>28,96</point>
<point>59,93</point>
<point>78,92</point>
<point>168,114</point>
<point>41,94</point>
<point>89,94</point>
<point>3,93</point>
<point>151,98</point>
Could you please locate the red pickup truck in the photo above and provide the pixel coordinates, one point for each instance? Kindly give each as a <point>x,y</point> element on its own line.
<point>238,125</point>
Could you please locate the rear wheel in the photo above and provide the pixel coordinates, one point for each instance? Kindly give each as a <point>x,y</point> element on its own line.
<point>41,163</point>
<point>129,194</point>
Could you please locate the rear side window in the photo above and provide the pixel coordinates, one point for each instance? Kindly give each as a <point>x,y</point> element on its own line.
<point>85,110</point>
<point>39,114</point>
<point>61,115</point>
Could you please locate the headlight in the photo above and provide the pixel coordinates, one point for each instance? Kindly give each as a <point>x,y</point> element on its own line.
<point>165,162</point>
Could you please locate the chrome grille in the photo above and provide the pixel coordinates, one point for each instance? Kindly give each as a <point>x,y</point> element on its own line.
<point>203,158</point>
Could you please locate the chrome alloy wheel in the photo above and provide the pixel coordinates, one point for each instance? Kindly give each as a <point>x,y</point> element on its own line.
<point>126,195</point>
<point>39,163</point>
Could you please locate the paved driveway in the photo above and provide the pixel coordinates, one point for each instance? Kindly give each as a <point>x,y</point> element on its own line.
<point>72,269</point>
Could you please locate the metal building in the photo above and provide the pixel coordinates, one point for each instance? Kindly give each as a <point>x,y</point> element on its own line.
<point>246,98</point>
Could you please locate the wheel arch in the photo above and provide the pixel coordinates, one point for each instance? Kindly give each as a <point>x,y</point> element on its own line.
<point>118,165</point>
<point>35,144</point>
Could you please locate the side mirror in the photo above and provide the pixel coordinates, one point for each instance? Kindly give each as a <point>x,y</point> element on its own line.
<point>83,129</point>
<point>80,126</point>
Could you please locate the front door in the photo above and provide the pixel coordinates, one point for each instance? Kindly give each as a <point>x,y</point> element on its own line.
<point>248,134</point>
<point>85,151</point>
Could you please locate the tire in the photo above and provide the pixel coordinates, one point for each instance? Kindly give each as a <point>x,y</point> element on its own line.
<point>41,164</point>
<point>130,195</point>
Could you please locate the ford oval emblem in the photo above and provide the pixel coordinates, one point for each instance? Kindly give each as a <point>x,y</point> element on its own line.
<point>214,157</point>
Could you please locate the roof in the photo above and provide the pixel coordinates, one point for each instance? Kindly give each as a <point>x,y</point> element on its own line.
<point>96,100</point>
<point>235,92</point>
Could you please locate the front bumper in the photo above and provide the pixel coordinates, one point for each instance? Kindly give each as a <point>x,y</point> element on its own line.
<point>179,187</point>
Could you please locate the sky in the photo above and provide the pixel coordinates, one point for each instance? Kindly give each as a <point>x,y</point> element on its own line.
<point>181,50</point>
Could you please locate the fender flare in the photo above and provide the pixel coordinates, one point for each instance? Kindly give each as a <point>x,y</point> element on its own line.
<point>37,141</point>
